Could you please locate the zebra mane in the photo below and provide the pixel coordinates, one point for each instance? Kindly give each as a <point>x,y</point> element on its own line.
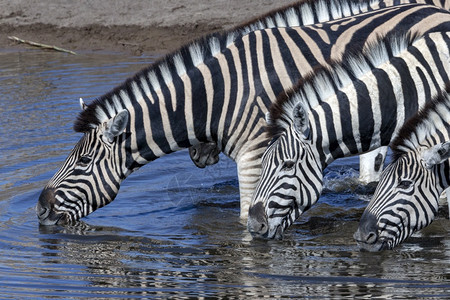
<point>304,12</point>
<point>435,115</point>
<point>325,81</point>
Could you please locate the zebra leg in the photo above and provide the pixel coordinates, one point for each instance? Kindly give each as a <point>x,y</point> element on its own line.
<point>248,167</point>
<point>249,172</point>
<point>371,165</point>
<point>247,185</point>
<point>204,154</point>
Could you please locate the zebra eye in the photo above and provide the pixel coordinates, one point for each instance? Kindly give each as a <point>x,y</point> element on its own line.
<point>84,161</point>
<point>404,184</point>
<point>288,165</point>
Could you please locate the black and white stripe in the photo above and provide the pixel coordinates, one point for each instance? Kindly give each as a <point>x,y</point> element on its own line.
<point>215,89</point>
<point>406,200</point>
<point>350,107</point>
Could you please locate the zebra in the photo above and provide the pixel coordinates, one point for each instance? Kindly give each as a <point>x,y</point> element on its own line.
<point>371,164</point>
<point>205,154</point>
<point>227,81</point>
<point>406,200</point>
<point>344,109</point>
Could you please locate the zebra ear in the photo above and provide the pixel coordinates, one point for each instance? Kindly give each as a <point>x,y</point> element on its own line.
<point>301,121</point>
<point>115,126</point>
<point>268,119</point>
<point>436,155</point>
<point>82,104</point>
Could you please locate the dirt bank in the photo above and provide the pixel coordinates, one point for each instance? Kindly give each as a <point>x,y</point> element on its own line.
<point>138,26</point>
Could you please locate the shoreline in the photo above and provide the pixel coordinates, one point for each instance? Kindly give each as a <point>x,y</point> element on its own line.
<point>129,39</point>
<point>133,27</point>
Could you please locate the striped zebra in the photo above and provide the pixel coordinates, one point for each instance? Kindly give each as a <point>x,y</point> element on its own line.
<point>205,154</point>
<point>215,89</point>
<point>406,199</point>
<point>347,108</point>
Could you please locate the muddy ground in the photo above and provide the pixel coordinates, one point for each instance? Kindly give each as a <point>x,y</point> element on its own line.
<point>136,27</point>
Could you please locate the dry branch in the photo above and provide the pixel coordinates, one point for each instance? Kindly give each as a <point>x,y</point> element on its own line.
<point>44,46</point>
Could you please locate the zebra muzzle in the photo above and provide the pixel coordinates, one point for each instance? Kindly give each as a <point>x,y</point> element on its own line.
<point>257,220</point>
<point>45,212</point>
<point>367,235</point>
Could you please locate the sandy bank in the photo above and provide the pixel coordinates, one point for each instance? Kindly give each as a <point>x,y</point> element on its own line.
<point>138,26</point>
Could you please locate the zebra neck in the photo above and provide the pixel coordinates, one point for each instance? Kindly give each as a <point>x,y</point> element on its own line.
<point>328,144</point>
<point>173,113</point>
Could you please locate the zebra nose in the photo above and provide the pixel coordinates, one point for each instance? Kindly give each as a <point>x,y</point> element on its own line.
<point>368,230</point>
<point>257,220</point>
<point>46,200</point>
<point>44,209</point>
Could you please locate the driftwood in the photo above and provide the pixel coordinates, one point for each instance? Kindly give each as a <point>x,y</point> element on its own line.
<point>43,46</point>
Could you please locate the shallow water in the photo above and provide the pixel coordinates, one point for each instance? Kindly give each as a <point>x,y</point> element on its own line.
<point>174,230</point>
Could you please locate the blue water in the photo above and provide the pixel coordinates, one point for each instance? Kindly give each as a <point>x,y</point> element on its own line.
<point>174,230</point>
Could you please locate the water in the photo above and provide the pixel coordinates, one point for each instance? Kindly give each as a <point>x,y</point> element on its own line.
<point>174,230</point>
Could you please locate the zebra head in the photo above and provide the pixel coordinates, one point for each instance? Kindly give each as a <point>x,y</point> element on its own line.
<point>291,179</point>
<point>406,198</point>
<point>90,176</point>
